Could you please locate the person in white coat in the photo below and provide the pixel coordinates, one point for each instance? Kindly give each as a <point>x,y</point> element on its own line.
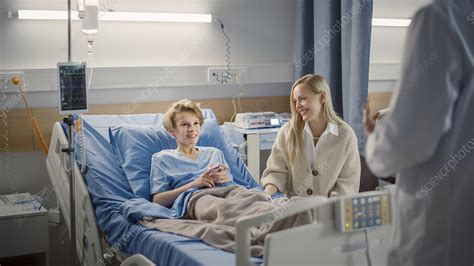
<point>427,139</point>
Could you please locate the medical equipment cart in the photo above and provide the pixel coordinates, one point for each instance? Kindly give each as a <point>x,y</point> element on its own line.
<point>23,227</point>
<point>257,140</point>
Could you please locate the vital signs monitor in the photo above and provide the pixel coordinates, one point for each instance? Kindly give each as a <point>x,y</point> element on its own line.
<point>72,88</point>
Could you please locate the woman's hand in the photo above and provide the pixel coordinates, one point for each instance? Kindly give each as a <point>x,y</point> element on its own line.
<point>270,189</point>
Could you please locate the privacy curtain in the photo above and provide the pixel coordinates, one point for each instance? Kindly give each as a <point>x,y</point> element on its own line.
<point>333,40</point>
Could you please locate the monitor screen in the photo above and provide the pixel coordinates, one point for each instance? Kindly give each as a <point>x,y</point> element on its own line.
<point>72,88</point>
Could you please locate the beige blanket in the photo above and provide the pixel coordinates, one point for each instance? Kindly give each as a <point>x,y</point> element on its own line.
<point>212,214</point>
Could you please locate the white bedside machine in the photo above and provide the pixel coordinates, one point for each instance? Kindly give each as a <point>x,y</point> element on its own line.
<point>257,140</point>
<point>23,227</point>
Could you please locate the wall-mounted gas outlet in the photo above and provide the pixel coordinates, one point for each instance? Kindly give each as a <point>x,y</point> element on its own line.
<point>6,84</point>
<point>217,75</point>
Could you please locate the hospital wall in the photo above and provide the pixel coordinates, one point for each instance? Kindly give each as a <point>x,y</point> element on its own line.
<point>129,57</point>
<point>262,39</point>
<point>141,52</point>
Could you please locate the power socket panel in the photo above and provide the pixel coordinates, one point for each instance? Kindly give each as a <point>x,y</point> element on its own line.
<point>6,84</point>
<point>216,74</point>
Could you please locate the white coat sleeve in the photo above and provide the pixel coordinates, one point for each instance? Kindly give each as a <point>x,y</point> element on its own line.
<point>422,105</point>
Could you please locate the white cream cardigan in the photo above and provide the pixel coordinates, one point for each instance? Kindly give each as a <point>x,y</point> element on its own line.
<point>337,167</point>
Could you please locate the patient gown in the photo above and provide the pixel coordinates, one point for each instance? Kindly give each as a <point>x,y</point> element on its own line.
<point>211,214</point>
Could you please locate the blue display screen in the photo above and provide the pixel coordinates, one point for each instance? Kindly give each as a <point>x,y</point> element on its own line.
<point>72,87</point>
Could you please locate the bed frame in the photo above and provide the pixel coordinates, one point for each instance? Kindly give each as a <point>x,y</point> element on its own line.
<point>89,247</point>
<point>308,244</point>
<point>318,243</point>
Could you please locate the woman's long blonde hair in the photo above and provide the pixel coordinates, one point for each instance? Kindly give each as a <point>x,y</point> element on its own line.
<point>295,141</point>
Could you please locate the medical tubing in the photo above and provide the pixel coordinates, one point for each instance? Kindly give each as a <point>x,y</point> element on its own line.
<point>232,118</point>
<point>89,59</point>
<point>34,123</point>
<point>43,197</point>
<point>367,251</point>
<point>83,145</point>
<point>82,152</point>
<point>226,76</point>
<point>4,140</point>
<point>90,78</point>
<point>37,129</point>
<point>4,127</point>
<point>4,132</point>
<point>240,92</point>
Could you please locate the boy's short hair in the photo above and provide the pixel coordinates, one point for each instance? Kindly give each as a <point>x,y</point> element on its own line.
<point>179,107</point>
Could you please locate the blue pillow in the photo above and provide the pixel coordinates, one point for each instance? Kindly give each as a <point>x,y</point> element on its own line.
<point>135,145</point>
<point>104,180</point>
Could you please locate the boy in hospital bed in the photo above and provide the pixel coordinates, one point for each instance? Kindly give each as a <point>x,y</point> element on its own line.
<point>194,181</point>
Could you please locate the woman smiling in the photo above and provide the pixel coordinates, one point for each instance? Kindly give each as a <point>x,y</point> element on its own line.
<point>316,152</point>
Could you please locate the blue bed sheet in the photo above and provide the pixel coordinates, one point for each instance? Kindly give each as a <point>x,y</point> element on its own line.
<point>178,250</point>
<point>109,188</point>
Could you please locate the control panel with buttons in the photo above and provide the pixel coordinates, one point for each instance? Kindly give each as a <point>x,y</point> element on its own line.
<point>363,211</point>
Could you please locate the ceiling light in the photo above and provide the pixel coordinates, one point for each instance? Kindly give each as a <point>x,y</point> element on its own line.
<point>390,22</point>
<point>113,16</point>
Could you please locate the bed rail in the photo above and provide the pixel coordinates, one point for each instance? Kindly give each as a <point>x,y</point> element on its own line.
<point>88,245</point>
<point>318,243</point>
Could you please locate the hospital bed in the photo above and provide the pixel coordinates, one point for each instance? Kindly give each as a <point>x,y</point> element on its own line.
<point>103,231</point>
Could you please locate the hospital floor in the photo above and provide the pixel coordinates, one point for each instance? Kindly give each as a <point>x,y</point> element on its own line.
<point>59,251</point>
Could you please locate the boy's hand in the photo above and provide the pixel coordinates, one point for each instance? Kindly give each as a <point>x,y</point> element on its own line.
<point>203,181</point>
<point>218,173</point>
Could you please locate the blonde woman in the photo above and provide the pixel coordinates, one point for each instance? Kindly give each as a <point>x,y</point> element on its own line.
<point>316,152</point>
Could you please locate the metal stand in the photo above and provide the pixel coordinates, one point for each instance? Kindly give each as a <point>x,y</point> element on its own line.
<point>70,170</point>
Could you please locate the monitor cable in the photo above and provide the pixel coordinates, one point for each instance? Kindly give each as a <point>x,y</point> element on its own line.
<point>80,121</point>
<point>227,75</point>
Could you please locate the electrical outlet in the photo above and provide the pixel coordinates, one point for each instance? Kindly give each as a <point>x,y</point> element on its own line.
<point>6,84</point>
<point>216,75</point>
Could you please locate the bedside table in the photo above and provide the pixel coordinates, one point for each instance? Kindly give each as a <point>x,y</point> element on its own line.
<point>23,227</point>
<point>257,140</point>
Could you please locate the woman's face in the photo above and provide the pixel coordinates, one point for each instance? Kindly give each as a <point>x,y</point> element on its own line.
<point>187,129</point>
<point>308,104</point>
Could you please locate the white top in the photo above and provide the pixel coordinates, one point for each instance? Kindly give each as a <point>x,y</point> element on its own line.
<point>311,149</point>
<point>427,138</point>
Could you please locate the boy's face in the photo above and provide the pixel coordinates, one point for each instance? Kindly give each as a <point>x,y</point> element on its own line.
<point>188,129</point>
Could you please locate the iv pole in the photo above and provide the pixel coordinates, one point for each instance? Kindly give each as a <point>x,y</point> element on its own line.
<point>69,120</point>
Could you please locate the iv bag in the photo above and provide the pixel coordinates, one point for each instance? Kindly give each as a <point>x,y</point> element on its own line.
<point>90,21</point>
